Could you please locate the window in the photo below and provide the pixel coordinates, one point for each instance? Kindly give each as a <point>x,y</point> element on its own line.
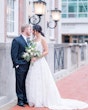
<point>64,15</point>
<point>64,0</point>
<point>64,9</point>
<point>83,7</point>
<point>74,8</point>
<point>72,0</point>
<point>12,17</point>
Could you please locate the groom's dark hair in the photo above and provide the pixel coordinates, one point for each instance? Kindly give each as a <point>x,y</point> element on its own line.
<point>24,26</point>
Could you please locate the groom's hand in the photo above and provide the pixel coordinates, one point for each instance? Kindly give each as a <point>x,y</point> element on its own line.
<point>17,66</point>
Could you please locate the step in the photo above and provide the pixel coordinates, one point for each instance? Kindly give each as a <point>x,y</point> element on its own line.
<point>5,104</point>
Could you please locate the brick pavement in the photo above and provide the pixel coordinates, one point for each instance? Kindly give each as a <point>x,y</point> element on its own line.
<point>74,86</point>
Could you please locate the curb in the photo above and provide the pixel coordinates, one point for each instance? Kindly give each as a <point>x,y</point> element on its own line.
<point>9,105</point>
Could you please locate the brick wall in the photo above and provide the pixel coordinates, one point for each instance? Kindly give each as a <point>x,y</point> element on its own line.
<point>22,13</point>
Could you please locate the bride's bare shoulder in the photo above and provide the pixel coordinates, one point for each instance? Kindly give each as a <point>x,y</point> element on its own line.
<point>43,39</point>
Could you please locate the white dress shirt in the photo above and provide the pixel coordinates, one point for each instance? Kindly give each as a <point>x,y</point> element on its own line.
<point>25,38</point>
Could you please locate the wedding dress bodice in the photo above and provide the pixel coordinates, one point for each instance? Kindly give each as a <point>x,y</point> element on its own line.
<point>39,46</point>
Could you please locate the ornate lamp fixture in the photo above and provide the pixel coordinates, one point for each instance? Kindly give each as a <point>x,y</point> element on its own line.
<point>39,9</point>
<point>55,14</point>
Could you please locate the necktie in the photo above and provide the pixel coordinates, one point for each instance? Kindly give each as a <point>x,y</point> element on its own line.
<point>28,41</point>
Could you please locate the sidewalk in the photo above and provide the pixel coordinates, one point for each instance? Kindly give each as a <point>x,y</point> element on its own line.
<point>74,86</point>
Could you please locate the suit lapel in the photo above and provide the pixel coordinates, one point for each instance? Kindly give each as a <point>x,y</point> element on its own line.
<point>25,43</point>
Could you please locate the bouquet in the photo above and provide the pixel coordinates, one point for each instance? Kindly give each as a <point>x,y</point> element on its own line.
<point>31,52</point>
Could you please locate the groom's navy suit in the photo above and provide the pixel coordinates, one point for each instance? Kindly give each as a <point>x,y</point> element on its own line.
<point>21,66</point>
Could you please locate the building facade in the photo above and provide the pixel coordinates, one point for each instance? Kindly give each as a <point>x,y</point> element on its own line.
<point>72,27</point>
<point>16,12</point>
<point>75,21</point>
<point>13,16</point>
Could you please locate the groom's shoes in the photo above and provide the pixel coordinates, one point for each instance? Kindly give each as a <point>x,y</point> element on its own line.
<point>25,102</point>
<point>20,103</point>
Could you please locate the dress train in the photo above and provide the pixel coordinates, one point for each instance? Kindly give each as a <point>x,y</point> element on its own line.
<point>42,91</point>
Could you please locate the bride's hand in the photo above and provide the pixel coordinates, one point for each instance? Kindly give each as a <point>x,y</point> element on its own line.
<point>33,59</point>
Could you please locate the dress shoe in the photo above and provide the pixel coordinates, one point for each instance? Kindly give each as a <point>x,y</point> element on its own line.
<point>25,102</point>
<point>20,104</point>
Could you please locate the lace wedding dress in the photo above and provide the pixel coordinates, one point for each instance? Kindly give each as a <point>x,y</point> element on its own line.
<point>41,89</point>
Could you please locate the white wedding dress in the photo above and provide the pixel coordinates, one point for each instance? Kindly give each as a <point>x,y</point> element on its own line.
<point>41,89</point>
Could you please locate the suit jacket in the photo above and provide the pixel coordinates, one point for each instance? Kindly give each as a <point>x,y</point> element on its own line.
<point>17,49</point>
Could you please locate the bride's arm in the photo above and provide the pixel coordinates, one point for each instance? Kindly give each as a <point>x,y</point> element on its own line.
<point>45,47</point>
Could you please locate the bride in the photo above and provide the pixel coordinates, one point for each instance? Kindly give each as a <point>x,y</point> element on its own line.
<point>41,89</point>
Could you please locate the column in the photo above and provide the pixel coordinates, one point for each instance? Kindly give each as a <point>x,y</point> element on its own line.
<point>2,21</point>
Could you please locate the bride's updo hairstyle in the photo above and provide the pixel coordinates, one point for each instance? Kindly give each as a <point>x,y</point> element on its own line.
<point>38,28</point>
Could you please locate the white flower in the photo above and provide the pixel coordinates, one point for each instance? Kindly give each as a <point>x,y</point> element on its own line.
<point>31,54</point>
<point>35,54</point>
<point>28,50</point>
<point>25,54</point>
<point>31,51</point>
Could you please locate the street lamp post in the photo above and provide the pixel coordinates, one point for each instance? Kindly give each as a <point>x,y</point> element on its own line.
<point>55,16</point>
<point>39,9</point>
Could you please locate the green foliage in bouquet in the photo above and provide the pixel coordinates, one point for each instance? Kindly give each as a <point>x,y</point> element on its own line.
<point>31,52</point>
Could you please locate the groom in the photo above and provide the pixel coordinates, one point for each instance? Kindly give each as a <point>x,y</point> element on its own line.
<point>21,66</point>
